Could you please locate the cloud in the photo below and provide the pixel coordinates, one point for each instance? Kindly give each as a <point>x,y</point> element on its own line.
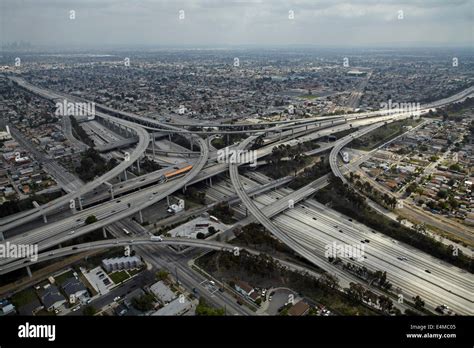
<point>236,22</point>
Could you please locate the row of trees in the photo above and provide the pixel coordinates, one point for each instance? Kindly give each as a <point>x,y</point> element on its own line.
<point>195,195</point>
<point>16,206</point>
<point>93,164</point>
<point>382,198</point>
<point>223,212</point>
<point>310,174</point>
<point>358,293</point>
<point>257,237</point>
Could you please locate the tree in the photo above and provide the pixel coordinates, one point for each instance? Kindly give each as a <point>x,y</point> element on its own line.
<point>90,219</point>
<point>456,167</point>
<point>143,303</point>
<point>411,188</point>
<point>329,280</point>
<point>385,303</point>
<point>419,303</point>
<point>89,310</point>
<point>204,309</point>
<point>442,194</point>
<point>162,274</point>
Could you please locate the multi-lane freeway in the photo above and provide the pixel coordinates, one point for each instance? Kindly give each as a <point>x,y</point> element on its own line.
<point>307,238</point>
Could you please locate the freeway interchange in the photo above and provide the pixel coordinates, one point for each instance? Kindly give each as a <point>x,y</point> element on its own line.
<point>445,284</point>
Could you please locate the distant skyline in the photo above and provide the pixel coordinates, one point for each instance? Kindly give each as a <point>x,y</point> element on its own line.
<point>214,23</point>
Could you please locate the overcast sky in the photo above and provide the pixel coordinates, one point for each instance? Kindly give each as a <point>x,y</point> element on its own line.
<point>238,22</point>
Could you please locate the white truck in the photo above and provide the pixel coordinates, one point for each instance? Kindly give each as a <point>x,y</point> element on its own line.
<point>156,238</point>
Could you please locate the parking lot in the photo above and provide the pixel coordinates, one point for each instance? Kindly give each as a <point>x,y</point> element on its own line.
<point>99,280</point>
<point>279,298</point>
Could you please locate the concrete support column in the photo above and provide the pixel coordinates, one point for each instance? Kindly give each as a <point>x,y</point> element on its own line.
<point>153,146</point>
<point>29,271</point>
<point>246,212</point>
<point>210,182</point>
<point>104,232</point>
<point>36,205</point>
<point>125,174</point>
<point>138,166</point>
<point>2,237</point>
<point>80,202</point>
<point>168,200</point>
<point>140,215</point>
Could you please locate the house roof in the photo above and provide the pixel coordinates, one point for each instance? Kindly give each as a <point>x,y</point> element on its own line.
<point>298,309</point>
<point>50,296</point>
<point>254,295</point>
<point>162,291</point>
<point>244,285</point>
<point>72,286</point>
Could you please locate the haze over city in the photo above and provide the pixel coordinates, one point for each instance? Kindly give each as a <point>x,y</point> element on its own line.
<point>103,23</point>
